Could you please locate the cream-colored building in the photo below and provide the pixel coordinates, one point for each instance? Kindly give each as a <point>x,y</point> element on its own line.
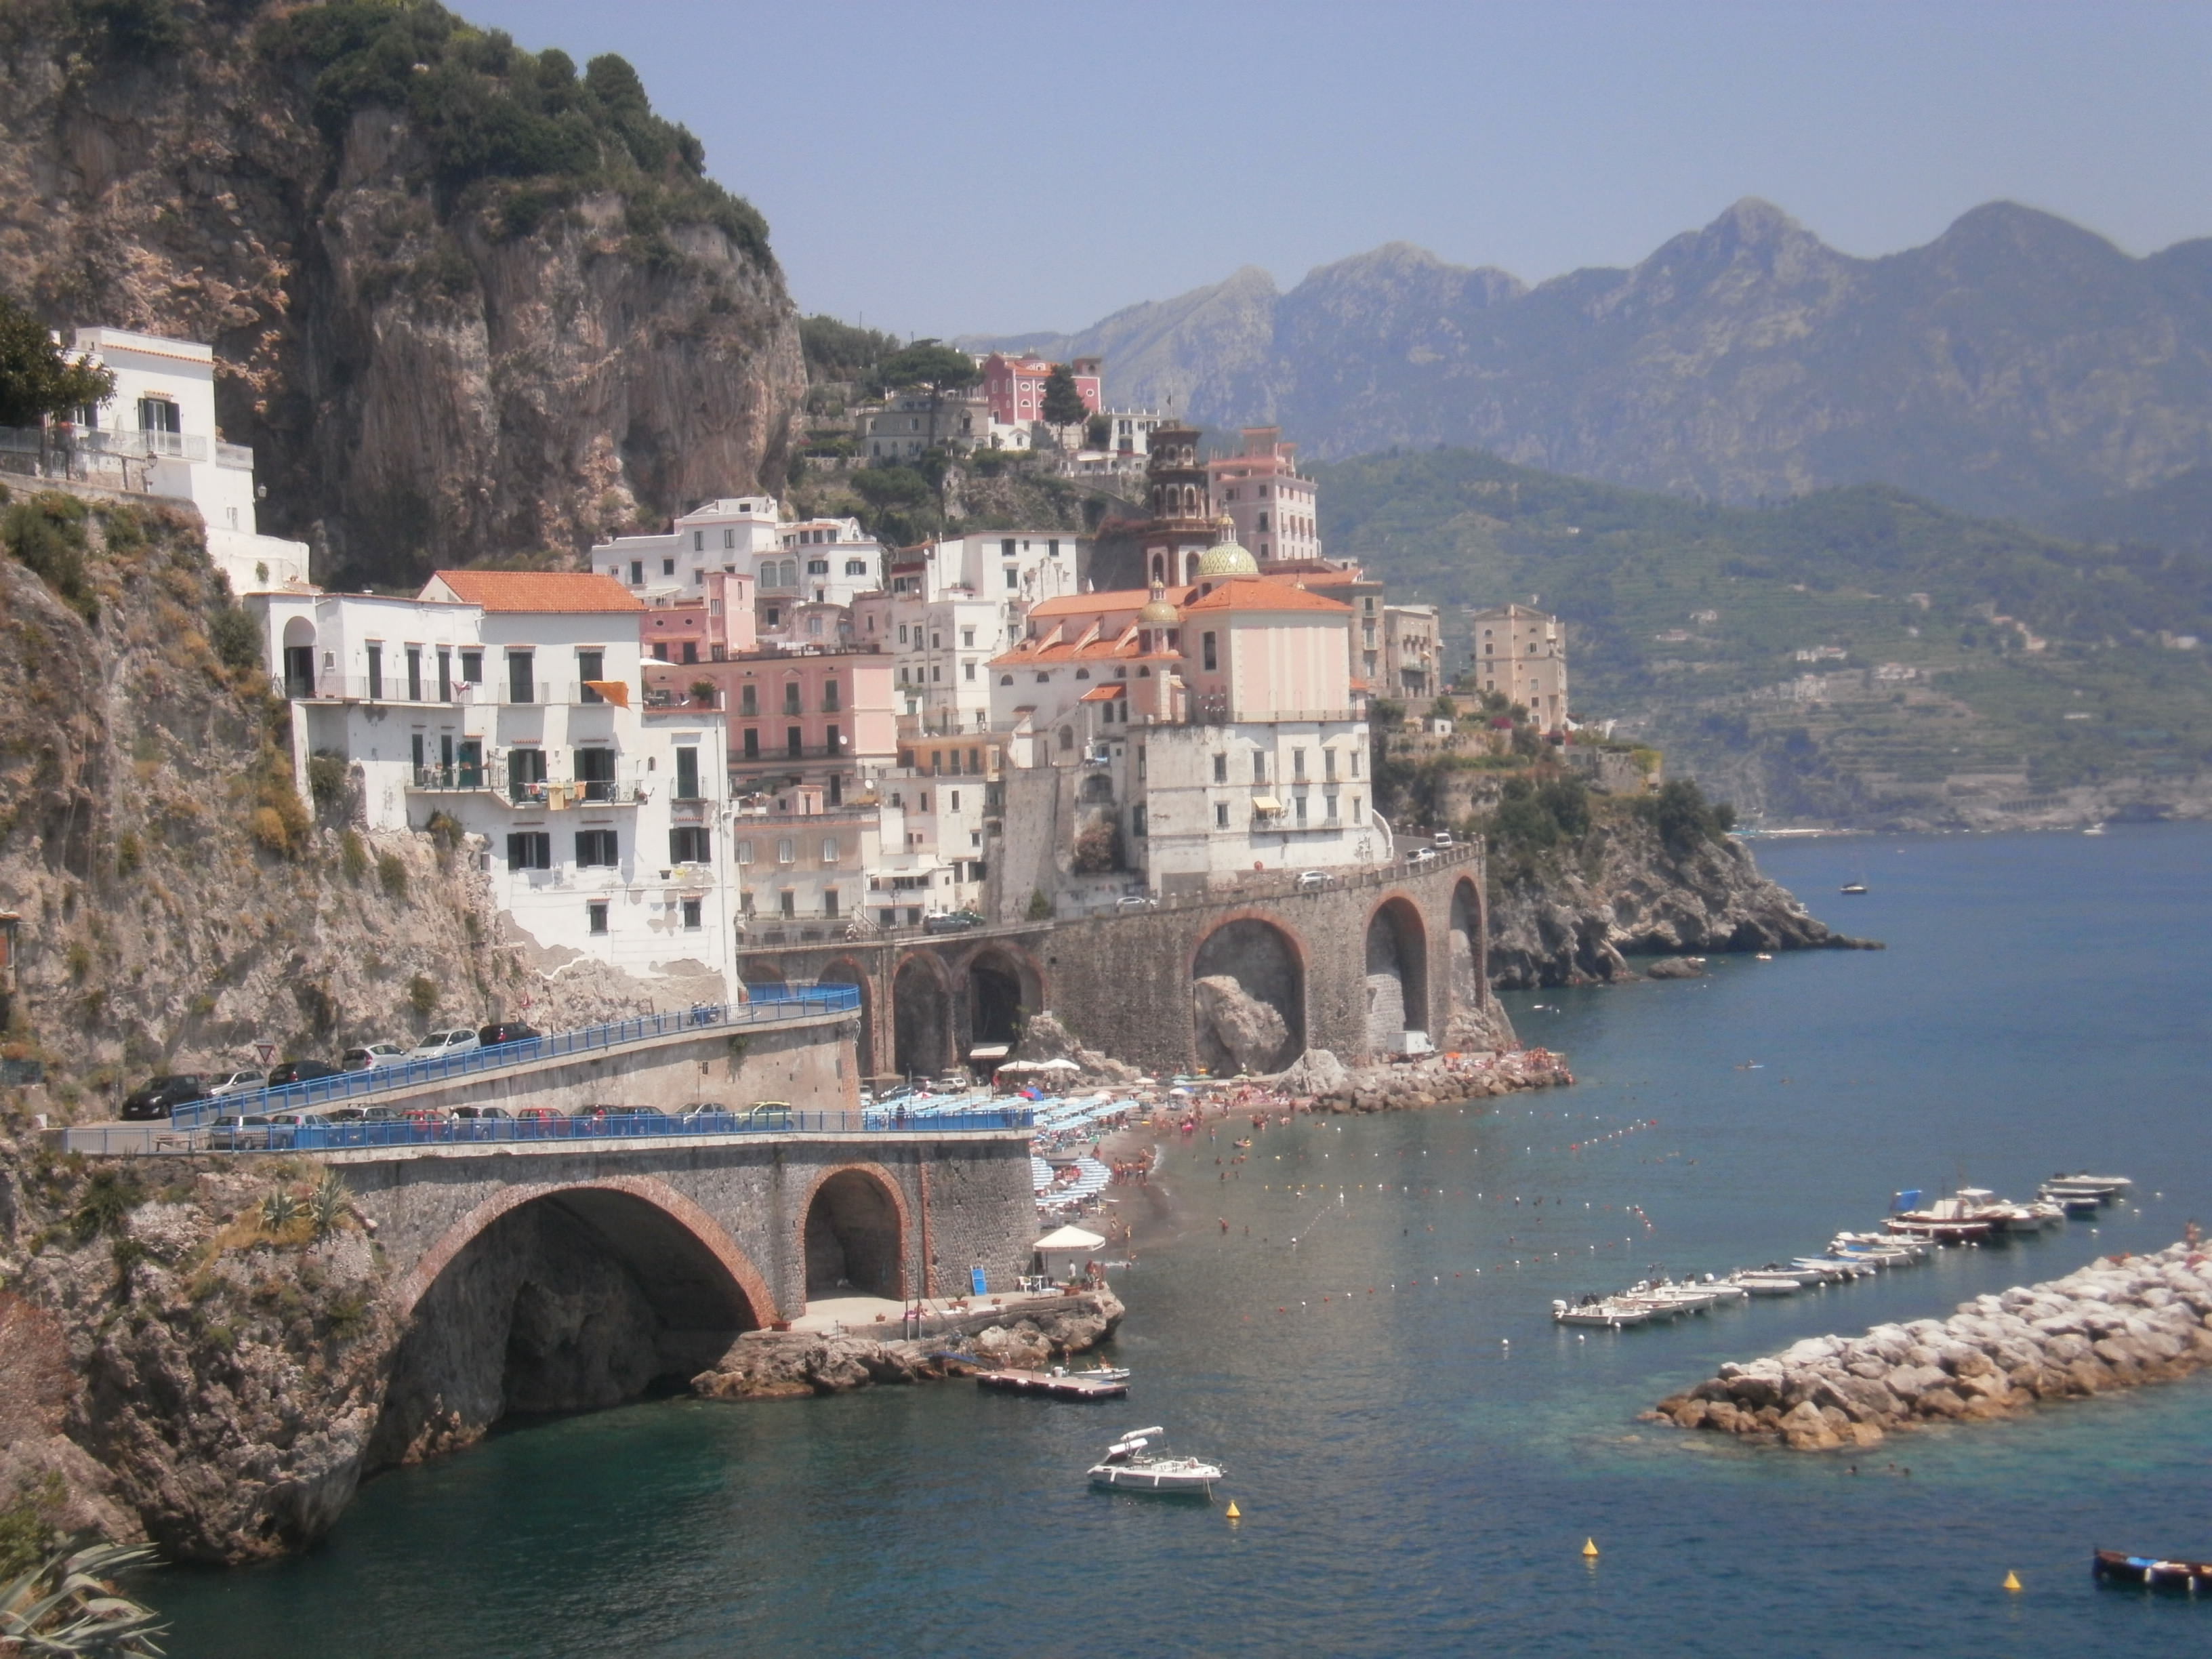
<point>1522,653</point>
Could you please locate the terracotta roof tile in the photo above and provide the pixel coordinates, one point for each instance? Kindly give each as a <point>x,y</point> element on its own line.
<point>539,592</point>
<point>1258,594</point>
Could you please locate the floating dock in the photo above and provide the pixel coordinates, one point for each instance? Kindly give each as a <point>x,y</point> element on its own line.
<point>1054,1385</point>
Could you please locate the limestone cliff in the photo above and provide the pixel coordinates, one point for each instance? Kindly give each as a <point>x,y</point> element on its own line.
<point>177,903</point>
<point>1575,913</point>
<point>465,303</point>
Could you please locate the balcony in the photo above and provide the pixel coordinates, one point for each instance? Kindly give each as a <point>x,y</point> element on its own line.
<point>359,688</point>
<point>557,794</point>
<point>237,457</point>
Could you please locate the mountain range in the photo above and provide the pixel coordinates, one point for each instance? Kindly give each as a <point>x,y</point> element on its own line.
<point>2015,365</point>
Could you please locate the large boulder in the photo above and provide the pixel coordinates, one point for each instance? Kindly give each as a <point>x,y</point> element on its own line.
<point>1237,1031</point>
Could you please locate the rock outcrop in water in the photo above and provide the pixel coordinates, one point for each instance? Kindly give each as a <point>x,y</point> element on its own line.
<point>1320,1080</point>
<point>2117,1322</point>
<point>1576,916</point>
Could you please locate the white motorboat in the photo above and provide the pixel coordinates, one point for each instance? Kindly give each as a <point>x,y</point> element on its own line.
<point>1831,1270</point>
<point>1722,1290</point>
<point>1690,1299</point>
<point>1769,1284</point>
<point>1130,1465</point>
<point>1947,1221</point>
<point>2105,1189</point>
<point>1872,1255</point>
<point>1883,1245</point>
<point>1611,1312</point>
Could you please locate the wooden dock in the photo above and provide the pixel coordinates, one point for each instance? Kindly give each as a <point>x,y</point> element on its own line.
<point>1054,1385</point>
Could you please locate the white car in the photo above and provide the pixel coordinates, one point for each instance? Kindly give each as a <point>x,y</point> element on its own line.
<point>1309,880</point>
<point>1136,901</point>
<point>1421,855</point>
<point>1443,838</point>
<point>369,1056</point>
<point>246,1082</point>
<point>438,1044</point>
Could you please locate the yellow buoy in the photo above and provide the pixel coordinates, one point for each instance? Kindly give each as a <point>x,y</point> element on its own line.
<point>2011,1581</point>
<point>1590,1546</point>
<point>1236,1514</point>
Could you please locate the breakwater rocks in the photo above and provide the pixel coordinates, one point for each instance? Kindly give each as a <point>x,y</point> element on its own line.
<point>2119,1322</point>
<point>795,1364</point>
<point>1324,1083</point>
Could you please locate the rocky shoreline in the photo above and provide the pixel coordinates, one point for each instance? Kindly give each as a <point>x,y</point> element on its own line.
<point>2118,1322</point>
<point>798,1364</point>
<point>1321,1082</point>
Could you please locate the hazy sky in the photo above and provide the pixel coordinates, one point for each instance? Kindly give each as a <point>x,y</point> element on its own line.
<point>996,167</point>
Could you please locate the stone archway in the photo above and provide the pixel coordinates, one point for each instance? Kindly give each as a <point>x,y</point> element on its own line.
<point>297,664</point>
<point>854,1236</point>
<point>1397,974</point>
<point>1004,988</point>
<point>761,973</point>
<point>922,1017</point>
<point>561,1298</point>
<point>1248,996</point>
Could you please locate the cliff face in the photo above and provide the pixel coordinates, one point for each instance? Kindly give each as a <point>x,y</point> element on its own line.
<point>1577,914</point>
<point>176,904</point>
<point>465,305</point>
<point>2015,362</point>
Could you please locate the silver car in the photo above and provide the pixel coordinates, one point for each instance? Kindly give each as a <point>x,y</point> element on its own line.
<point>370,1055</point>
<point>439,1044</point>
<point>247,1081</point>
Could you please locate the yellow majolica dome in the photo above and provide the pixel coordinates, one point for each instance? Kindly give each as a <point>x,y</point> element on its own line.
<point>1159,611</point>
<point>1225,557</point>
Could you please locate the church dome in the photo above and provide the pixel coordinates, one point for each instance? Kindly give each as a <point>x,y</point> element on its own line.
<point>1225,558</point>
<point>1159,611</point>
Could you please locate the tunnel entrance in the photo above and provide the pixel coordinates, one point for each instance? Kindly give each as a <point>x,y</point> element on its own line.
<point>852,1242</point>
<point>576,1301</point>
<point>1262,968</point>
<point>921,1022</point>
<point>1397,976</point>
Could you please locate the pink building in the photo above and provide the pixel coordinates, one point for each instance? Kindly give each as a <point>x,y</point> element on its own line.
<point>820,720</point>
<point>1014,386</point>
<point>706,627</point>
<point>1262,493</point>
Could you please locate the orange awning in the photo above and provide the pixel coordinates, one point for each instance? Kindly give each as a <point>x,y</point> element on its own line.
<point>614,691</point>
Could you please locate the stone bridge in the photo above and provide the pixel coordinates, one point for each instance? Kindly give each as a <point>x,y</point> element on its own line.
<point>1352,967</point>
<point>554,1276</point>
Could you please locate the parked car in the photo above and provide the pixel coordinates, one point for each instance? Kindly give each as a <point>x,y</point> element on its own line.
<point>950,921</point>
<point>247,1082</point>
<point>485,1114</point>
<point>501,1032</point>
<point>1136,901</point>
<point>237,1131</point>
<point>439,1044</point>
<point>1310,879</point>
<point>1421,855</point>
<point>769,1114</point>
<point>1441,838</point>
<point>537,1120</point>
<point>369,1056</point>
<point>701,1112</point>
<point>301,1071</point>
<point>283,1128</point>
<point>159,1096</point>
<point>345,1114</point>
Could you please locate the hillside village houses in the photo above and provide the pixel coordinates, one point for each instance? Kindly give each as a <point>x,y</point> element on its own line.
<point>743,725</point>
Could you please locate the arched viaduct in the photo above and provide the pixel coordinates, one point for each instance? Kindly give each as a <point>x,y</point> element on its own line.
<point>1350,967</point>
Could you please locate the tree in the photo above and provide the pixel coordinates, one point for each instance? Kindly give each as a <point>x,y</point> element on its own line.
<point>928,367</point>
<point>1100,433</point>
<point>1063,404</point>
<point>36,377</point>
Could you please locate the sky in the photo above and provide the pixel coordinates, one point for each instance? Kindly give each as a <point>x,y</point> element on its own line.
<point>942,169</point>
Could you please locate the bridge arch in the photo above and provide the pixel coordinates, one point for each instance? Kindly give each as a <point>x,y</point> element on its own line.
<point>759,972</point>
<point>1397,952</point>
<point>1267,961</point>
<point>1004,983</point>
<point>560,1296</point>
<point>1465,936</point>
<point>852,1233</point>
<point>921,1016</point>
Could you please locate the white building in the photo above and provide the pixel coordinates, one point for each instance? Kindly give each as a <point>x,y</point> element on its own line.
<point>1265,495</point>
<point>163,411</point>
<point>729,536</point>
<point>903,429</point>
<point>954,605</point>
<point>507,702</point>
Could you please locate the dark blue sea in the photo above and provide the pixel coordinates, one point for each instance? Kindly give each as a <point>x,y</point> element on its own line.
<point>1418,1454</point>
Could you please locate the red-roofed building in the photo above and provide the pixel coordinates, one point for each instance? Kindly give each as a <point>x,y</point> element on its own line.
<point>1014,386</point>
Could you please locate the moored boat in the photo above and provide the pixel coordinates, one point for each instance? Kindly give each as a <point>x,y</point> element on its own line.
<point>2153,1572</point>
<point>1768,1284</point>
<point>1947,1221</point>
<point>1130,1465</point>
<point>1611,1312</point>
<point>2104,1189</point>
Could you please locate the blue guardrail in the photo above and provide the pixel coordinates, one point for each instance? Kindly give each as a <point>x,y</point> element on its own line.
<point>767,1004</point>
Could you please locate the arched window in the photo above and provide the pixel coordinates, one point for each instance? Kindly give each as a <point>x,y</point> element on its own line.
<point>1083,674</point>
<point>1005,679</point>
<point>1159,569</point>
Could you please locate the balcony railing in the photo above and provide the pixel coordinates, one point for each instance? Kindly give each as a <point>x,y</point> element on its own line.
<point>237,456</point>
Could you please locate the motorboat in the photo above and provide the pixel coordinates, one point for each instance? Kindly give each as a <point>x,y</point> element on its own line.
<point>1131,1465</point>
<point>1768,1284</point>
<point>1830,1269</point>
<point>2104,1188</point>
<point>1611,1312</point>
<point>1883,1245</point>
<point>1947,1221</point>
<point>2152,1573</point>
<point>1852,887</point>
<point>1871,1255</point>
<point>2072,1203</point>
<point>1095,1373</point>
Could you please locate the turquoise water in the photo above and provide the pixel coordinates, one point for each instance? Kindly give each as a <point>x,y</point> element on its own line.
<point>1420,1455</point>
